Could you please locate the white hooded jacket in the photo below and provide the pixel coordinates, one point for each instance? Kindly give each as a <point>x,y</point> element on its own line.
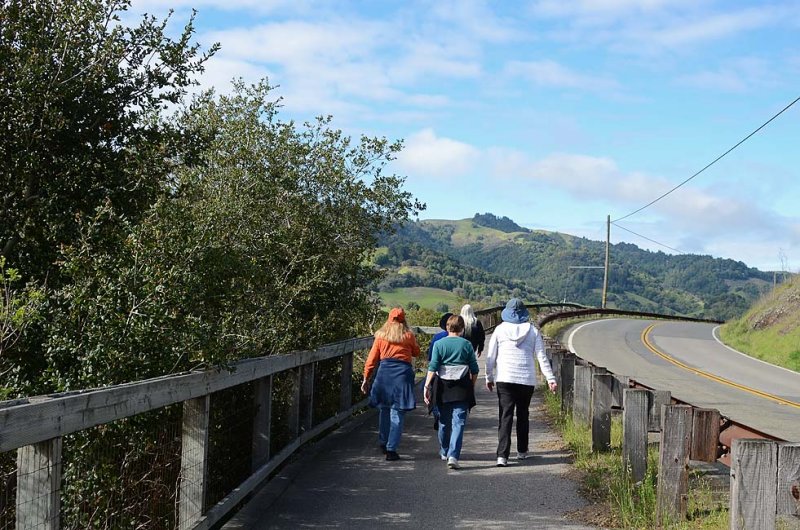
<point>510,355</point>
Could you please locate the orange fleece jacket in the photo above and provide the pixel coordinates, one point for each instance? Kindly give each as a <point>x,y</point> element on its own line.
<point>383,349</point>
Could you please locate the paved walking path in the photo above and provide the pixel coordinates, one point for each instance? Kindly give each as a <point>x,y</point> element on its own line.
<point>345,482</point>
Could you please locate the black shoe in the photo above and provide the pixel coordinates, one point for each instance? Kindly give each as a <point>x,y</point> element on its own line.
<point>383,449</point>
<point>392,455</point>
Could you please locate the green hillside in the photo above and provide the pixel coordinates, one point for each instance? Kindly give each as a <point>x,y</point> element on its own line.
<point>413,272</point>
<point>538,262</point>
<point>770,330</point>
<point>425,297</point>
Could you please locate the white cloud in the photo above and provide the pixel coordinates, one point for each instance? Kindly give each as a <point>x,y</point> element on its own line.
<point>653,26</point>
<point>221,71</point>
<point>552,74</point>
<point>602,8</point>
<point>337,64</point>
<point>423,57</point>
<point>476,19</point>
<point>291,42</point>
<point>697,30</point>
<point>707,213</point>
<point>426,154</point>
<point>738,75</point>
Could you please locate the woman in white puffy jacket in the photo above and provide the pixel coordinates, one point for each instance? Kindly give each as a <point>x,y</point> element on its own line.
<point>510,367</point>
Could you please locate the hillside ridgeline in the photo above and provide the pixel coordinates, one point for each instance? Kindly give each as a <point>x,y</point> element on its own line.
<point>540,265</point>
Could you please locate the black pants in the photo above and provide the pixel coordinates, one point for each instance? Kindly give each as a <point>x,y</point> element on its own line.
<point>512,396</point>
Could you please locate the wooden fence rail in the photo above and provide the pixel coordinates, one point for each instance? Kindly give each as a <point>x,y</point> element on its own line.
<point>35,427</point>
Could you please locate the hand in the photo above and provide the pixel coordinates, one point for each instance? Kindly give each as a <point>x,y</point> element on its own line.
<point>553,386</point>
<point>364,387</point>
<point>426,394</point>
<point>490,386</point>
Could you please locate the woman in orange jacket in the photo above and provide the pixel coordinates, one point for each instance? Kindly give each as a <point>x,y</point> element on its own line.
<point>392,390</point>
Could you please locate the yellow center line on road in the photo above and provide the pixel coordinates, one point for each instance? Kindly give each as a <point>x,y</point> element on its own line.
<point>646,341</point>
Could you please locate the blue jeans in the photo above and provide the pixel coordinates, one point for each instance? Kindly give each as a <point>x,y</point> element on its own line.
<point>390,426</point>
<point>452,418</point>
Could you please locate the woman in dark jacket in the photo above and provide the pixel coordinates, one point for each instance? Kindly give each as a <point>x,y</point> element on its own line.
<point>473,329</point>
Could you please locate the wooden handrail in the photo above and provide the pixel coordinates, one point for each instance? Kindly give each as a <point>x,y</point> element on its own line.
<point>41,419</point>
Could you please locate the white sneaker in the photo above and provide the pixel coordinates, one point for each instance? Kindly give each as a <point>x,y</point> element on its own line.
<point>522,456</point>
<point>452,463</point>
<point>502,462</point>
<point>443,456</point>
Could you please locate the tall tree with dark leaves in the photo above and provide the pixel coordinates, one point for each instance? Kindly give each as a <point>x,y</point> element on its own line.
<point>82,98</point>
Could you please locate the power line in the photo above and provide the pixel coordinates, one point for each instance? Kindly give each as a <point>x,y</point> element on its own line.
<point>647,238</point>
<point>740,142</point>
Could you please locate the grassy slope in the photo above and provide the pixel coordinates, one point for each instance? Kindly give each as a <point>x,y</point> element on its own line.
<point>467,232</point>
<point>426,297</point>
<point>770,331</point>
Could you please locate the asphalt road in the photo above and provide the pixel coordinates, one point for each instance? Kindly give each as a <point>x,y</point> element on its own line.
<point>344,481</point>
<point>618,345</point>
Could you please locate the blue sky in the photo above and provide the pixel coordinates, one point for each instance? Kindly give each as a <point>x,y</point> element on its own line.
<point>554,113</point>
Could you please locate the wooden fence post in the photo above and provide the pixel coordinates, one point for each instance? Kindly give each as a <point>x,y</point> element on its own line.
<point>634,432</point>
<point>601,411</point>
<point>294,406</point>
<point>788,491</point>
<point>621,382</point>
<point>581,411</point>
<point>346,382</point>
<point>194,460</point>
<point>659,399</point>
<point>705,434</point>
<point>306,411</point>
<point>39,486</point>
<point>262,422</point>
<point>673,464</point>
<point>555,364</point>
<point>754,475</point>
<point>567,383</point>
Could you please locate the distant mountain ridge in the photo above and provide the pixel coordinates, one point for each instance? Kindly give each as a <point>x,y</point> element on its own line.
<point>540,262</point>
<point>410,258</point>
<point>504,224</point>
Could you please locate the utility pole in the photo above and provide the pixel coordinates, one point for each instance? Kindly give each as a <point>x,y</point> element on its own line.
<point>605,273</point>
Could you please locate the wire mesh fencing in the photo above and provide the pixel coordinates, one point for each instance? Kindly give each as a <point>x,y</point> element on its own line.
<point>123,474</point>
<point>230,440</point>
<point>8,490</point>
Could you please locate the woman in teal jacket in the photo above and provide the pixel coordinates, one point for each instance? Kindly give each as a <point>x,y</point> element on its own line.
<point>450,386</point>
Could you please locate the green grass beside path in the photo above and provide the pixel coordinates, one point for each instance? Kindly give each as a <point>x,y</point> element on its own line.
<point>618,502</point>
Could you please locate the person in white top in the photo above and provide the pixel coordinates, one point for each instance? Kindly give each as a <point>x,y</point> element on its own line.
<point>510,367</point>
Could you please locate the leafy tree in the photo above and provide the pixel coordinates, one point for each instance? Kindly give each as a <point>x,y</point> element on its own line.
<point>167,242</point>
<point>263,247</point>
<point>20,307</point>
<point>81,109</point>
